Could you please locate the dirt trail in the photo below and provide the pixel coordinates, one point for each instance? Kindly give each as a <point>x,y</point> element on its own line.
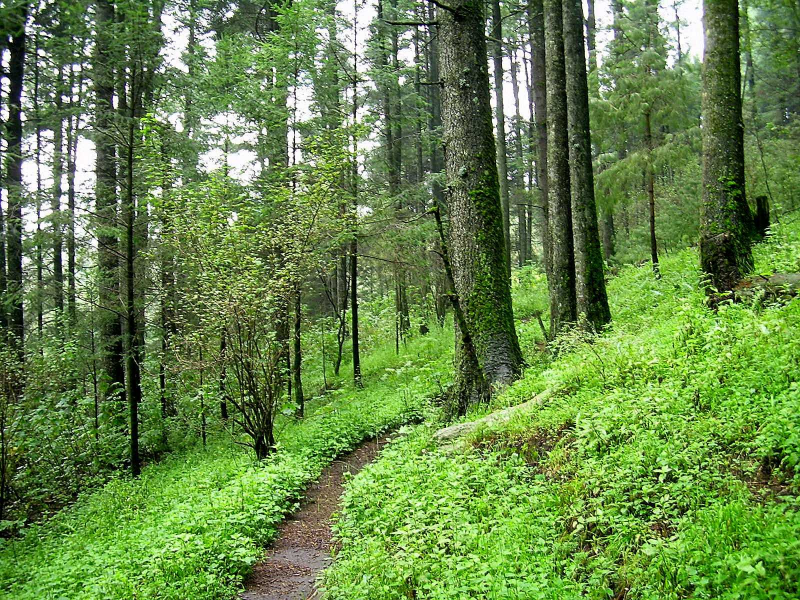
<point>304,541</point>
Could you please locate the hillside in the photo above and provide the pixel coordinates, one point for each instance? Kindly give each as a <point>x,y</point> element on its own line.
<point>663,464</point>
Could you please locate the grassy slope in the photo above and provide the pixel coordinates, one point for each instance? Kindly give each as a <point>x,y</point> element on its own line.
<point>666,466</point>
<point>193,524</point>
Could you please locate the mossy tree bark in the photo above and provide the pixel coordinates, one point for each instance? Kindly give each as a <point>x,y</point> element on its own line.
<point>476,240</point>
<point>563,307</point>
<point>727,226</point>
<point>590,287</point>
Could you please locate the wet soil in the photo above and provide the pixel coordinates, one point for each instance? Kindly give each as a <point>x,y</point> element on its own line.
<point>304,543</point>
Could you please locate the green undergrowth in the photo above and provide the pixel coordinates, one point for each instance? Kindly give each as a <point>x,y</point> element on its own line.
<point>666,464</point>
<point>192,526</point>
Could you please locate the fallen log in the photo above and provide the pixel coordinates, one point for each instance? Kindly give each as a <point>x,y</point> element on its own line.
<point>781,286</point>
<point>459,430</point>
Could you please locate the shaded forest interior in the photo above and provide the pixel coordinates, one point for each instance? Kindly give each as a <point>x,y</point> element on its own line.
<point>239,238</point>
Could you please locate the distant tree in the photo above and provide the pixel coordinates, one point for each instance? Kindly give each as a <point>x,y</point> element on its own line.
<point>14,292</point>
<point>500,120</point>
<point>107,205</point>
<point>538,132</point>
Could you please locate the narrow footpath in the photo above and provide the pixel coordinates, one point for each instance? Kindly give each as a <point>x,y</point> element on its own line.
<point>303,546</point>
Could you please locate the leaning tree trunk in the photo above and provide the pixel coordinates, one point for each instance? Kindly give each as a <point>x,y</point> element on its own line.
<point>590,286</point>
<point>726,228</point>
<point>563,307</point>
<point>477,243</point>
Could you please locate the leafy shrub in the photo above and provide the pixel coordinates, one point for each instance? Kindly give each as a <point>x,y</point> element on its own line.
<point>192,526</point>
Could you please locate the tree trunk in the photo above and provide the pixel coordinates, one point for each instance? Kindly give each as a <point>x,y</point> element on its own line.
<point>55,203</point>
<point>651,193</point>
<point>761,217</point>
<point>477,244</point>
<point>167,300</point>
<point>39,258</point>
<point>392,136</point>
<point>607,228</point>
<point>563,308</point>
<point>678,31</point>
<point>113,378</point>
<point>3,280</point>
<point>499,115</point>
<point>590,287</point>
<point>418,113</point>
<point>340,308</point>
<point>72,148</point>
<point>282,328</point>
<point>436,158</point>
<point>750,72</point>
<point>470,385</point>
<point>133,354</point>
<point>13,168</point>
<point>354,311</point>
<point>223,375</point>
<point>727,225</point>
<point>606,220</point>
<point>591,35</point>
<point>297,359</point>
<point>357,380</point>
<point>539,84</point>
<point>607,233</point>
<point>523,243</point>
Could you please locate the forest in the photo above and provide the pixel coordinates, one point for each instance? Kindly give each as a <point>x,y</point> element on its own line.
<point>385,299</point>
